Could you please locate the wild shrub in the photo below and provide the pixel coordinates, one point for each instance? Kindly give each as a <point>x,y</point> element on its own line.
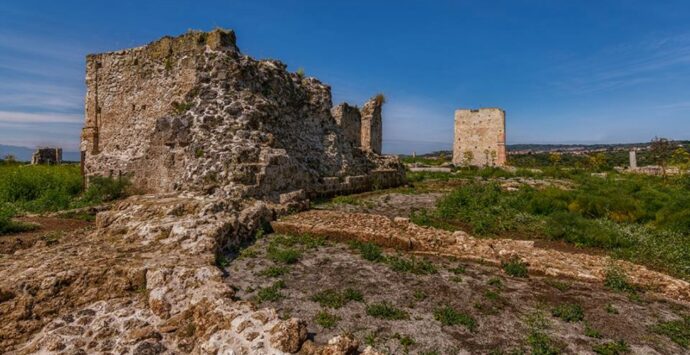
<point>104,189</point>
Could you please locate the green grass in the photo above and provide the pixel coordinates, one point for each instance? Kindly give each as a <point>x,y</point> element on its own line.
<point>644,219</point>
<point>334,299</point>
<point>283,255</point>
<point>514,267</point>
<point>271,293</point>
<point>676,330</point>
<point>8,225</point>
<point>537,338</point>
<point>386,311</point>
<point>615,279</point>
<point>411,265</point>
<point>275,271</point>
<point>47,188</point>
<point>326,320</point>
<point>368,251</point>
<point>568,312</point>
<point>592,332</point>
<point>612,348</point>
<point>450,317</point>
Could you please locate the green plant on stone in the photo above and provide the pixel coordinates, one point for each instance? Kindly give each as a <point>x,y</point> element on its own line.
<point>386,311</point>
<point>283,255</point>
<point>449,317</point>
<point>568,312</point>
<point>592,332</point>
<point>676,330</point>
<point>368,251</point>
<point>612,348</point>
<point>275,271</point>
<point>326,320</point>
<point>412,265</point>
<point>515,267</point>
<point>615,279</point>
<point>271,293</point>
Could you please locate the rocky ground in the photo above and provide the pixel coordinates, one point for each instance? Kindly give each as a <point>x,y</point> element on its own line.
<point>335,289</point>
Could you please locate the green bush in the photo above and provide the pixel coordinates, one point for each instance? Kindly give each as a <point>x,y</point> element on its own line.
<point>39,188</point>
<point>104,189</point>
<point>7,225</point>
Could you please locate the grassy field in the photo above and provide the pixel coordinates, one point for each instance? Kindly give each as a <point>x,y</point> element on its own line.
<point>45,188</point>
<point>640,218</point>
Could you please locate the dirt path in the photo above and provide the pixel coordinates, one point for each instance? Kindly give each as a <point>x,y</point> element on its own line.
<point>50,230</point>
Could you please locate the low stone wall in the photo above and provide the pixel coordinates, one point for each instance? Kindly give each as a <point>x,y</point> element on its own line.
<point>401,234</point>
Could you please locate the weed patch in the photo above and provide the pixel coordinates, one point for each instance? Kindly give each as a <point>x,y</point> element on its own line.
<point>411,265</point>
<point>386,311</point>
<point>449,317</point>
<point>612,348</point>
<point>677,330</point>
<point>568,312</point>
<point>514,267</point>
<point>274,271</point>
<point>326,320</point>
<point>334,299</point>
<point>271,293</point>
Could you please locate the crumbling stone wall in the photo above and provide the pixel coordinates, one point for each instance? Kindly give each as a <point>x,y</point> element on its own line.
<point>372,124</point>
<point>350,121</point>
<point>47,156</point>
<point>480,137</point>
<point>193,113</point>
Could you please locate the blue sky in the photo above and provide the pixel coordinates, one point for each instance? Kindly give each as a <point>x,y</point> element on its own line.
<point>565,71</point>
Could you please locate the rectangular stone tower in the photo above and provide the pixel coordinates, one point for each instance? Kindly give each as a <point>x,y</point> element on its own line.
<point>480,137</point>
<point>372,125</point>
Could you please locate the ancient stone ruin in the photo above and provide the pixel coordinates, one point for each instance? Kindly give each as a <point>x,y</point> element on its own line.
<point>480,137</point>
<point>221,144</point>
<point>193,113</point>
<point>47,156</point>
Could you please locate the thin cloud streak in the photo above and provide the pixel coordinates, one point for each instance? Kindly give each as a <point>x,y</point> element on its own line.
<point>48,117</point>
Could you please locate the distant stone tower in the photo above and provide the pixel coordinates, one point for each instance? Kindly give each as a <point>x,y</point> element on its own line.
<point>633,159</point>
<point>480,137</point>
<point>372,130</point>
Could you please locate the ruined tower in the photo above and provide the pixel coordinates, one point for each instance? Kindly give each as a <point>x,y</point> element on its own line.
<point>194,113</point>
<point>372,130</point>
<point>480,138</point>
<point>350,121</point>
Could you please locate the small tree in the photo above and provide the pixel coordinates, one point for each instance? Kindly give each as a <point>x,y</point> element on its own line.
<point>660,151</point>
<point>681,158</point>
<point>597,161</point>
<point>555,158</point>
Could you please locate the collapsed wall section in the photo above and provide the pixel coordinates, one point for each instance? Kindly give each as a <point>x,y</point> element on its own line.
<point>193,113</point>
<point>480,138</point>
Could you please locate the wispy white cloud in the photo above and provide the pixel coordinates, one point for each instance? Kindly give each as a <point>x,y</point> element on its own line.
<point>48,117</point>
<point>627,64</point>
